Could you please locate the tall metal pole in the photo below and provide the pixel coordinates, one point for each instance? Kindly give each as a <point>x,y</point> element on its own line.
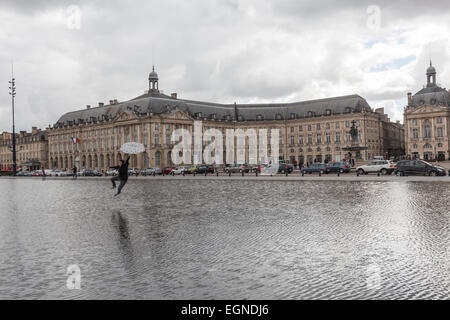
<point>13,94</point>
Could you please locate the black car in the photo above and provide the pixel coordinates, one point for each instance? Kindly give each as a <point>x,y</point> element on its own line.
<point>204,169</point>
<point>418,167</point>
<point>284,167</point>
<point>316,167</point>
<point>341,167</point>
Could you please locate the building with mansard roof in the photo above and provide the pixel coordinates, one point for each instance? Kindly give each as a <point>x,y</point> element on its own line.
<point>427,119</point>
<point>315,130</point>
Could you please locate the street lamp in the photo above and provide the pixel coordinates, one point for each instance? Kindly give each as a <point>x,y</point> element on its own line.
<point>12,92</point>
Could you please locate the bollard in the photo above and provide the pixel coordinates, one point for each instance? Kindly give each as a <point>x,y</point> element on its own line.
<point>357,173</point>
<point>183,173</point>
<point>287,173</point>
<point>256,172</point>
<point>194,173</point>
<point>206,172</point>
<point>320,173</point>
<point>229,173</point>
<point>378,174</point>
<point>303,173</point>
<point>242,172</point>
<point>154,173</point>
<point>339,174</point>
<point>217,173</point>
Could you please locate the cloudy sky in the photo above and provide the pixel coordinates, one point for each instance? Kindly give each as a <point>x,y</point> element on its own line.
<point>68,54</point>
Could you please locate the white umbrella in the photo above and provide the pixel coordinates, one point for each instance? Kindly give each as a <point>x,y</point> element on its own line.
<point>132,148</point>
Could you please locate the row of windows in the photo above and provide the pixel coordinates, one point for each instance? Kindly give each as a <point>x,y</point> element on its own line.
<point>428,146</point>
<point>327,126</point>
<point>427,132</point>
<point>439,120</point>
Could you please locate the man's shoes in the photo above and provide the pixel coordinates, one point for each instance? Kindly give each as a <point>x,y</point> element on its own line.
<point>116,194</point>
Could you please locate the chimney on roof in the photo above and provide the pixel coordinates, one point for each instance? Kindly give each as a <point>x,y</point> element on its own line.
<point>101,104</point>
<point>34,130</point>
<point>409,98</point>
<point>173,95</point>
<point>88,106</point>
<point>379,110</point>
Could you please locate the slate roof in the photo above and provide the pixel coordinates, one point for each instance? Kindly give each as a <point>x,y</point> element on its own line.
<point>158,103</point>
<point>432,96</point>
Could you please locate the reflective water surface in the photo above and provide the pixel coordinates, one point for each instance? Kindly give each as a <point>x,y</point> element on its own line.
<point>175,239</point>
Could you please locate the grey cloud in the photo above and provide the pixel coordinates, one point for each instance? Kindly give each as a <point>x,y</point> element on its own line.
<point>222,51</point>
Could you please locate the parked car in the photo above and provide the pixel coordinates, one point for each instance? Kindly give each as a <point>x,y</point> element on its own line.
<point>378,166</point>
<point>151,171</point>
<point>112,172</point>
<point>181,169</point>
<point>62,174</point>
<point>92,173</point>
<point>23,173</point>
<point>167,170</point>
<point>237,168</point>
<point>315,167</point>
<point>191,170</point>
<point>334,167</point>
<point>204,169</point>
<point>284,167</point>
<point>418,167</point>
<point>178,170</point>
<point>133,171</point>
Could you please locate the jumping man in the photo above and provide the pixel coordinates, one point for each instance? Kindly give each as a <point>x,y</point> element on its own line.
<point>123,175</point>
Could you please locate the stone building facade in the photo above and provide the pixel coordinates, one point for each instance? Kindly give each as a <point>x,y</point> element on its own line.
<point>427,120</point>
<point>316,130</point>
<point>31,150</point>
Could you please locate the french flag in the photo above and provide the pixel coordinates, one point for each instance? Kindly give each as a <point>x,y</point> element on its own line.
<point>75,140</point>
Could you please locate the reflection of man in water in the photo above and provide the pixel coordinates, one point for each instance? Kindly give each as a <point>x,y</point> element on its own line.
<point>122,176</point>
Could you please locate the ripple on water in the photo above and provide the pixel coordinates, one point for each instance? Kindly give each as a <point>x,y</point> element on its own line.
<point>225,239</point>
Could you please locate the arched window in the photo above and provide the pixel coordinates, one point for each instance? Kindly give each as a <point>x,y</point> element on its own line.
<point>259,117</point>
<point>427,146</point>
<point>440,145</point>
<point>328,112</point>
<point>348,110</point>
<point>278,116</point>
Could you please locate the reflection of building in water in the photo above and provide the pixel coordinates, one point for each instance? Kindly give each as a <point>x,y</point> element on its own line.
<point>427,119</point>
<point>32,149</point>
<point>310,130</point>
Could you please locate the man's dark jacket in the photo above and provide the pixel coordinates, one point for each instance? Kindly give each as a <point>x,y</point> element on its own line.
<point>123,170</point>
